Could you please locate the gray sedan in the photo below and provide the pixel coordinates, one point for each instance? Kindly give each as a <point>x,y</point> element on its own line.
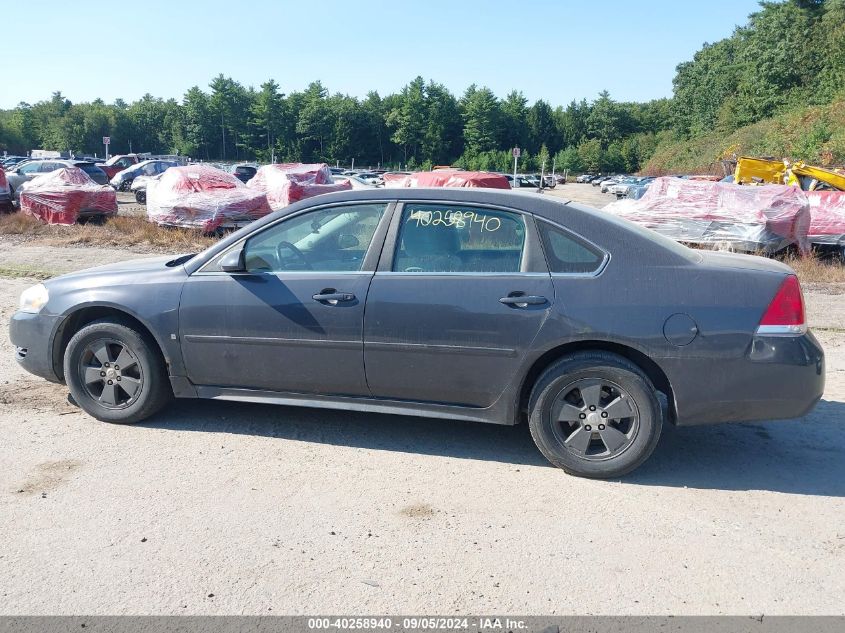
<point>467,304</point>
<point>26,171</point>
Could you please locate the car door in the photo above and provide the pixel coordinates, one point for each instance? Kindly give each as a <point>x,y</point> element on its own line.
<point>292,320</point>
<point>460,294</point>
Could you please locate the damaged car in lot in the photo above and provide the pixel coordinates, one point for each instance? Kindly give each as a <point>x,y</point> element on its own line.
<point>469,304</point>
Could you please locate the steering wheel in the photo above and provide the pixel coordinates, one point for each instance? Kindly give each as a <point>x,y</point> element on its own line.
<point>293,249</point>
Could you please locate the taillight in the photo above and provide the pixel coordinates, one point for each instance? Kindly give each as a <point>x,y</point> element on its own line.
<point>785,314</point>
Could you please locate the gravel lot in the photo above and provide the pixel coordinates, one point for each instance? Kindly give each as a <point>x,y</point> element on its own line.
<point>224,508</point>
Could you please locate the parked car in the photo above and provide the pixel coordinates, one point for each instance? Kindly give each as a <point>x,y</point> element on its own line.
<point>463,303</point>
<point>370,177</point>
<point>585,178</point>
<point>355,181</point>
<point>606,184</point>
<point>118,163</point>
<point>10,161</point>
<point>122,181</point>
<point>527,180</point>
<point>26,171</point>
<point>620,188</point>
<point>139,187</point>
<point>244,172</point>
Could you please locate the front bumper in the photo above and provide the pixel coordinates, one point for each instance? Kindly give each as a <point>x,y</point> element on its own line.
<point>33,336</point>
<point>779,378</point>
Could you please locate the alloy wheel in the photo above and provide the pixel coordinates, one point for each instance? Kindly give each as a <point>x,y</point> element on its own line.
<point>110,373</point>
<point>595,419</point>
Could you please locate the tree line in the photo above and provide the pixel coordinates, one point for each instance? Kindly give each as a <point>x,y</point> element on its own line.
<point>789,53</point>
<point>422,125</point>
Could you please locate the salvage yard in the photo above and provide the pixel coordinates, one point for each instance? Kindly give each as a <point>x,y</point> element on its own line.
<point>214,507</point>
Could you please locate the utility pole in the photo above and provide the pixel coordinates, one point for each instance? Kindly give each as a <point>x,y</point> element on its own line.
<point>542,177</point>
<point>223,129</point>
<point>516,153</point>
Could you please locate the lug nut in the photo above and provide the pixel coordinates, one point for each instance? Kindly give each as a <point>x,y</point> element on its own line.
<point>592,408</point>
<point>116,367</point>
<point>588,428</point>
<point>583,416</point>
<point>110,382</point>
<point>103,374</point>
<point>118,378</point>
<point>105,364</point>
<point>601,427</point>
<point>604,414</point>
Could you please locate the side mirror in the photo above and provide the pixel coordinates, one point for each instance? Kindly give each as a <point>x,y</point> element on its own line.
<point>233,261</point>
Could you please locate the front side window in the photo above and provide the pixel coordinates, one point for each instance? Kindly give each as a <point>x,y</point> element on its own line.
<point>334,239</point>
<point>458,239</point>
<point>566,253</point>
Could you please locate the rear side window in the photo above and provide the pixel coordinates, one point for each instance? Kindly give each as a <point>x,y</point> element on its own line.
<point>566,253</point>
<point>445,238</point>
<point>89,168</point>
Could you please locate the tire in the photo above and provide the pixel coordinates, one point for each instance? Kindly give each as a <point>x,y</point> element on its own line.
<point>127,394</point>
<point>584,443</point>
<point>141,196</point>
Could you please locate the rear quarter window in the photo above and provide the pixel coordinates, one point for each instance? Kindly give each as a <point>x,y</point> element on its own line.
<point>566,253</point>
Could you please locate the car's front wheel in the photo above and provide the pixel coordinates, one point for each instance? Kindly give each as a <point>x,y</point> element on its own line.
<point>595,414</point>
<point>116,373</point>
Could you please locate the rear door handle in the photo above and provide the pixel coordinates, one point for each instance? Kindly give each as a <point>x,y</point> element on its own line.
<point>522,301</point>
<point>332,297</point>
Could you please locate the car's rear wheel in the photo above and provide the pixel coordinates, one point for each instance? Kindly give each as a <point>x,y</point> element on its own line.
<point>595,414</point>
<point>141,196</point>
<point>116,373</point>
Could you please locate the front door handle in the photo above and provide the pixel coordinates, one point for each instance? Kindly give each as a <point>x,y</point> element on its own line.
<point>519,300</point>
<point>332,296</point>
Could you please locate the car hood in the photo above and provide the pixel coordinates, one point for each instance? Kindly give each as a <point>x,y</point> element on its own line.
<point>139,266</point>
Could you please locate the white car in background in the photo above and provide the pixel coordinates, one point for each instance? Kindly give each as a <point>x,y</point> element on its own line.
<point>356,181</point>
<point>607,184</point>
<point>370,177</point>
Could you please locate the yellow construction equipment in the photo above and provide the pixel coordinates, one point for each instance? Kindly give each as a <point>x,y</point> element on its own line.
<point>760,171</point>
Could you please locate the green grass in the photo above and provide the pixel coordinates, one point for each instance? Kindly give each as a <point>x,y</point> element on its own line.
<point>26,272</point>
<point>815,134</point>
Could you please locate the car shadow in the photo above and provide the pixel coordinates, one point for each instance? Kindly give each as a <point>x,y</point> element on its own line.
<point>805,456</point>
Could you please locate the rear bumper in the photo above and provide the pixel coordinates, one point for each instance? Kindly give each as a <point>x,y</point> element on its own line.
<point>32,335</point>
<point>779,378</point>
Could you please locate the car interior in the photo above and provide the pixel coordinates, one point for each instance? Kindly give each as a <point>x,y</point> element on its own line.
<point>328,240</point>
<point>445,239</point>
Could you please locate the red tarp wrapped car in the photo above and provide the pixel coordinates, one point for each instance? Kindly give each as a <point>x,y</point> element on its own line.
<point>286,183</point>
<point>203,197</point>
<point>448,178</point>
<point>66,195</point>
<point>749,219</point>
<point>5,193</point>
<point>827,223</point>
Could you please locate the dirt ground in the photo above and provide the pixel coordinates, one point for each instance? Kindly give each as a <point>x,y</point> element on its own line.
<point>225,508</point>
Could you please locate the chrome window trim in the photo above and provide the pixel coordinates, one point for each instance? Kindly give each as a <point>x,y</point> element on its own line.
<point>461,274</point>
<point>285,273</point>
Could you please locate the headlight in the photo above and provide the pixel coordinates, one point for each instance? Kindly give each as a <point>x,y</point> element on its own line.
<point>33,299</point>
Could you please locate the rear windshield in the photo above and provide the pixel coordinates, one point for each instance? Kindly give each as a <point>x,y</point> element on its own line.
<point>89,168</point>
